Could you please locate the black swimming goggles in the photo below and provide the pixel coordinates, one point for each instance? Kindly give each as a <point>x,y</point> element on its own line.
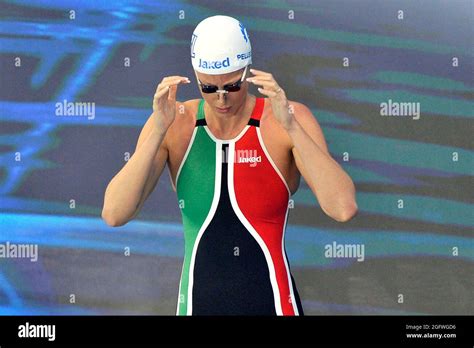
<point>232,87</point>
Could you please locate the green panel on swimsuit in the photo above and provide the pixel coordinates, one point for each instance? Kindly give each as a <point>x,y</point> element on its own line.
<point>195,189</point>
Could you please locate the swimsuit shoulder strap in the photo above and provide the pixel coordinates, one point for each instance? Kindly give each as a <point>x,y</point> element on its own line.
<point>200,119</point>
<point>257,112</point>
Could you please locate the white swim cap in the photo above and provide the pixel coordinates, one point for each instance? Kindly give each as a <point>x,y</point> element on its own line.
<point>220,45</point>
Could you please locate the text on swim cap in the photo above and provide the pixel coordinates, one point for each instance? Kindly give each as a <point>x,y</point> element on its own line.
<point>243,56</point>
<point>217,64</point>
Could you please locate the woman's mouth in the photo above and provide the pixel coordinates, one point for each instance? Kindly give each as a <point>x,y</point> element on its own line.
<point>223,110</point>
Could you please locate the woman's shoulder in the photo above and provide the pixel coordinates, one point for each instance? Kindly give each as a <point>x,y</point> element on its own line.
<point>185,119</point>
<point>190,105</point>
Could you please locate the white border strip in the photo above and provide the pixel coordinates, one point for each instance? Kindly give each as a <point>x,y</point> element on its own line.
<point>246,223</point>
<point>179,293</point>
<point>262,144</point>
<point>267,154</point>
<point>290,283</point>
<point>190,145</point>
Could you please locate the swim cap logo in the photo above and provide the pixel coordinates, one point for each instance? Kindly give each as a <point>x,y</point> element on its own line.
<point>244,32</point>
<point>217,64</point>
<point>193,41</point>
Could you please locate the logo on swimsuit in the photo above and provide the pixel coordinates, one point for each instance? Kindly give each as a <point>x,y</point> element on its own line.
<point>214,64</point>
<point>248,156</point>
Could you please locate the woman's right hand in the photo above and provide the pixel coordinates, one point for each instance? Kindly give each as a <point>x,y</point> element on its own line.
<point>164,101</point>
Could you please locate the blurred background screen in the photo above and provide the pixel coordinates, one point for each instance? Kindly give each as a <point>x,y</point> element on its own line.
<point>343,59</point>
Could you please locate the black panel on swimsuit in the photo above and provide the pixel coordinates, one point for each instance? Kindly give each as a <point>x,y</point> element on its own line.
<point>225,284</point>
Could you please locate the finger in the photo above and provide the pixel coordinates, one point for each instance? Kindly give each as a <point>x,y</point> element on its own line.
<point>170,84</point>
<point>176,77</point>
<point>160,93</point>
<point>267,92</point>
<point>260,77</point>
<point>176,82</point>
<point>271,85</point>
<point>259,72</point>
<point>170,80</point>
<point>173,86</point>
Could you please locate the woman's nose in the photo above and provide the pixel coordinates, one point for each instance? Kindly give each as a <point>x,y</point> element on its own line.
<point>221,96</point>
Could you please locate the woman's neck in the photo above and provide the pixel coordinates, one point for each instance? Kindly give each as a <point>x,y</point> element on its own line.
<point>227,124</point>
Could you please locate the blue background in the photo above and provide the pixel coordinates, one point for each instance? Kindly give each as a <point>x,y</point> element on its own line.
<point>408,251</point>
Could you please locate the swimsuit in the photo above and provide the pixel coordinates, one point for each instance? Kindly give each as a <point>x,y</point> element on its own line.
<point>234,205</point>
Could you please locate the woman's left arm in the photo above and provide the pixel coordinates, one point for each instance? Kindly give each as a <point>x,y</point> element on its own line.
<point>331,185</point>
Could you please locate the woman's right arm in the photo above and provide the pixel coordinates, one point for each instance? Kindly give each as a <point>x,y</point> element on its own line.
<point>128,190</point>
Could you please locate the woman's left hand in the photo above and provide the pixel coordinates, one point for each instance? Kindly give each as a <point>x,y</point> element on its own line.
<point>275,93</point>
